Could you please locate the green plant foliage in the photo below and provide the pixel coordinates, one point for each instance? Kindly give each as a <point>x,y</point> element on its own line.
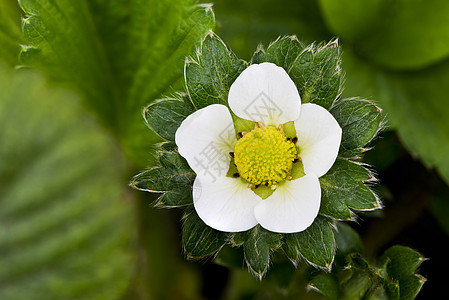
<point>10,32</point>
<point>173,178</point>
<point>413,100</point>
<point>353,277</point>
<point>316,73</point>
<point>67,231</point>
<point>284,51</point>
<point>347,240</point>
<point>401,264</point>
<point>120,54</point>
<point>343,188</point>
<point>199,239</point>
<point>389,33</point>
<point>316,244</point>
<point>423,126</point>
<point>360,121</point>
<point>326,284</point>
<point>165,116</point>
<point>257,244</point>
<point>210,75</point>
<point>244,26</point>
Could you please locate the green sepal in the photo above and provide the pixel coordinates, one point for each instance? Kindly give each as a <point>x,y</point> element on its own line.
<point>316,244</point>
<point>257,244</point>
<point>173,177</point>
<point>317,75</point>
<point>165,116</point>
<point>263,191</point>
<point>200,240</point>
<point>401,263</point>
<point>357,286</point>
<point>177,197</point>
<point>210,75</point>
<point>347,240</point>
<point>410,286</point>
<point>241,125</point>
<point>172,160</point>
<point>327,284</point>
<point>392,290</point>
<point>343,188</point>
<point>281,273</point>
<point>160,179</point>
<point>392,279</point>
<point>231,257</point>
<point>258,56</point>
<point>167,146</point>
<point>360,121</point>
<point>284,51</point>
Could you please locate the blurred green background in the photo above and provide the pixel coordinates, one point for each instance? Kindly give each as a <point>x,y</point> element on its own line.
<point>74,77</point>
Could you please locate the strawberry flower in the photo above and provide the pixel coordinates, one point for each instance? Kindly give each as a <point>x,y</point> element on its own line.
<point>267,175</point>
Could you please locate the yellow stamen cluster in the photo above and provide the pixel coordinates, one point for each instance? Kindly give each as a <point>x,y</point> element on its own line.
<point>264,156</point>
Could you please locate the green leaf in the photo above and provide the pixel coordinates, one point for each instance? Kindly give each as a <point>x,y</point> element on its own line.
<point>165,116</point>
<point>10,32</point>
<point>342,188</point>
<point>316,73</point>
<point>199,239</point>
<point>403,261</point>
<point>351,20</point>
<point>257,244</point>
<point>440,207</point>
<point>423,126</point>
<point>359,120</point>
<point>284,51</point>
<point>316,244</point>
<point>210,75</point>
<point>120,54</point>
<point>393,34</point>
<point>245,25</point>
<point>326,284</point>
<point>69,230</point>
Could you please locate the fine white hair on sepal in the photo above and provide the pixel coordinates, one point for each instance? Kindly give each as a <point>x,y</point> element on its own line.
<point>199,52</point>
<point>326,268</point>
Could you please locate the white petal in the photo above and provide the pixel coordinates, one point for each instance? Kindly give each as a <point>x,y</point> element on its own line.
<point>264,92</point>
<point>226,204</point>
<point>319,137</point>
<point>205,139</point>
<point>292,207</point>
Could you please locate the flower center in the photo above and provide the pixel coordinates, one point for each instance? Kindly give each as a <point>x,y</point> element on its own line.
<point>264,156</point>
